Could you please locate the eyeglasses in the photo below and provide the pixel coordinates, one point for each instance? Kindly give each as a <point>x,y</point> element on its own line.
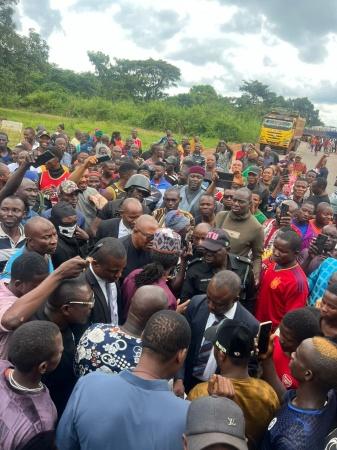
<point>77,302</point>
<point>228,196</point>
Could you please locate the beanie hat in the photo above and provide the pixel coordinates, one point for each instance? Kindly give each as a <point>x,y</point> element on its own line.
<point>197,169</point>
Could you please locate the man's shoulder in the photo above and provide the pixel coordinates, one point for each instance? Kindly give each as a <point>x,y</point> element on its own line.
<point>197,265</point>
<point>243,314</point>
<point>238,261</point>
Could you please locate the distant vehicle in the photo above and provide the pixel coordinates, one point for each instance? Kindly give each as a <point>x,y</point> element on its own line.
<point>281,130</point>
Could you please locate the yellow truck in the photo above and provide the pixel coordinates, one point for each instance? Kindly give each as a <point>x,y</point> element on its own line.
<point>281,130</point>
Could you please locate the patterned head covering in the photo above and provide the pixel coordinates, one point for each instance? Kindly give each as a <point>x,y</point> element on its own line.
<point>176,220</point>
<point>166,241</point>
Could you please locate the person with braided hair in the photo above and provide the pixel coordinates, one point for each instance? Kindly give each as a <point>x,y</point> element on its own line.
<point>166,247</point>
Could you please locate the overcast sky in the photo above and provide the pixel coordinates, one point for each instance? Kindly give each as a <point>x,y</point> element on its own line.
<point>290,45</point>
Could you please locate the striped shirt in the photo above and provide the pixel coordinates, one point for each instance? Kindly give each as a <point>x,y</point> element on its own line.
<point>8,246</point>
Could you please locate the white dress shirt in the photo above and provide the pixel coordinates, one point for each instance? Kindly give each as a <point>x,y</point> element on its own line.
<point>110,297</point>
<point>211,363</point>
<point>123,230</point>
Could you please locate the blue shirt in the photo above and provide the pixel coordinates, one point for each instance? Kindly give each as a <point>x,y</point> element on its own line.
<point>300,429</point>
<point>162,185</point>
<point>122,412</point>
<point>6,274</point>
<point>319,279</point>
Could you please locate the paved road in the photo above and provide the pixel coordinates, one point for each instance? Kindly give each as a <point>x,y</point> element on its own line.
<point>310,160</point>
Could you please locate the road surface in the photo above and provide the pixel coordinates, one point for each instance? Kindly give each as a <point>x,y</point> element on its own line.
<point>311,160</point>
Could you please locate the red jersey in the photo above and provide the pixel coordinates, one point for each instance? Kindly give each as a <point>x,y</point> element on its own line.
<point>281,362</point>
<point>138,142</point>
<point>281,291</point>
<point>46,181</point>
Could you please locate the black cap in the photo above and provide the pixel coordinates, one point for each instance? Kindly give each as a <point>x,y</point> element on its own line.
<point>232,338</point>
<point>215,240</point>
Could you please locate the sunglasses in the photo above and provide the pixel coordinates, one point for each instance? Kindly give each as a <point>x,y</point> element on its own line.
<point>77,302</point>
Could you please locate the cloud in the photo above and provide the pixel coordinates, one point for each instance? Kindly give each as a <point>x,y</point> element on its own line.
<point>306,24</point>
<point>92,5</point>
<point>147,27</point>
<point>202,52</point>
<point>244,23</point>
<point>47,18</point>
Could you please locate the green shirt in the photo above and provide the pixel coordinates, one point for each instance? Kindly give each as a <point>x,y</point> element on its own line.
<point>260,217</point>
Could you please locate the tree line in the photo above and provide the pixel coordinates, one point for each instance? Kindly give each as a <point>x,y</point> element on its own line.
<point>132,91</point>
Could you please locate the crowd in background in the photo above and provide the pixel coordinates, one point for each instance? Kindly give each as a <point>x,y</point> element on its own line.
<point>134,283</point>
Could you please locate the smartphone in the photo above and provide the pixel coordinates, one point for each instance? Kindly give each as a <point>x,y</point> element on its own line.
<point>263,337</point>
<point>284,210</point>
<point>320,242</point>
<point>42,159</point>
<point>103,158</point>
<point>225,180</point>
<point>285,172</point>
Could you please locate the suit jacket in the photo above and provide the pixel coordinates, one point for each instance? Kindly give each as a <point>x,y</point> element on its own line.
<point>108,228</point>
<point>101,311</point>
<point>197,315</point>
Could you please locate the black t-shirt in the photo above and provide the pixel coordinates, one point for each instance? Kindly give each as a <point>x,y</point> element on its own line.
<point>317,199</point>
<point>136,259</point>
<point>62,380</point>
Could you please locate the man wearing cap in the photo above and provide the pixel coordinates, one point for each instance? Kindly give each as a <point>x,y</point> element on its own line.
<point>44,140</point>
<point>204,311</point>
<point>214,422</point>
<point>216,257</point>
<point>254,185</point>
<point>68,192</point>
<point>233,347</point>
<point>191,193</point>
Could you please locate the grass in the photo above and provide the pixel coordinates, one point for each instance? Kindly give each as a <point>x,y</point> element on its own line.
<point>32,119</point>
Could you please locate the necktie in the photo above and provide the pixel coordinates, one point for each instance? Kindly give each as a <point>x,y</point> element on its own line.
<point>204,354</point>
<point>111,304</point>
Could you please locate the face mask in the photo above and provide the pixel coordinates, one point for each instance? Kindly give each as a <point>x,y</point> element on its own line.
<point>67,231</point>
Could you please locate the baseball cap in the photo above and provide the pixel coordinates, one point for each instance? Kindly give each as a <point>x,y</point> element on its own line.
<point>42,133</point>
<point>171,160</point>
<point>232,338</point>
<point>215,420</point>
<point>68,187</point>
<point>215,240</point>
<point>255,170</point>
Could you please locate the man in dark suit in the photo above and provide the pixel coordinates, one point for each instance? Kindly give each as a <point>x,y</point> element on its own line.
<point>122,226</point>
<point>106,267</point>
<point>204,311</point>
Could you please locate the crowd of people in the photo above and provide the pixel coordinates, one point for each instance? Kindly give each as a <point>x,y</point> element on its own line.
<point>137,286</point>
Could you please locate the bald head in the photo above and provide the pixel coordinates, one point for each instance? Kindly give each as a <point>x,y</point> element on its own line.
<point>146,220</point>
<point>227,279</point>
<point>132,204</point>
<point>146,301</point>
<point>41,236</point>
<point>323,206</point>
<point>202,227</point>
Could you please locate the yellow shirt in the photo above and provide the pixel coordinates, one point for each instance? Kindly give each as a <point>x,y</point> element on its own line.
<point>256,398</point>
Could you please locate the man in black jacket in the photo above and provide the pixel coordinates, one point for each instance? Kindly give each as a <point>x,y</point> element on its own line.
<point>109,260</point>
<point>119,227</point>
<point>204,311</point>
<point>216,257</point>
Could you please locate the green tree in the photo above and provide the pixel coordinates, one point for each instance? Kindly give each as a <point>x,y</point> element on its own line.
<point>306,109</point>
<point>257,92</point>
<point>139,79</point>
